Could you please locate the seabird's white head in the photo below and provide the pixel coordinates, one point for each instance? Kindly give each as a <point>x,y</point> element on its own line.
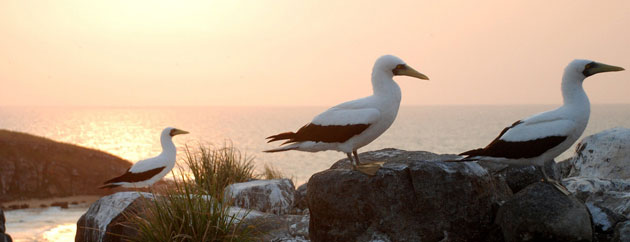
<point>166,138</point>
<point>580,69</point>
<point>390,66</point>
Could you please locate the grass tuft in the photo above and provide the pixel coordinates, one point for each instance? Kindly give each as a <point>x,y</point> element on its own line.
<point>218,167</point>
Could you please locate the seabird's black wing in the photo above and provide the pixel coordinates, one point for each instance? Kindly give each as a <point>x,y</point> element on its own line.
<point>321,133</point>
<point>136,177</point>
<point>516,149</point>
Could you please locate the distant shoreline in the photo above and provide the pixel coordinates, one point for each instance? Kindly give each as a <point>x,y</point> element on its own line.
<point>82,200</point>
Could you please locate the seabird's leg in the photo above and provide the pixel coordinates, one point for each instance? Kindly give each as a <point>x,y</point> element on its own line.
<point>553,182</point>
<point>354,166</point>
<point>544,173</point>
<point>356,156</point>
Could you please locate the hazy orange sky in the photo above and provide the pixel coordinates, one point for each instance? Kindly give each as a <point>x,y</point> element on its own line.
<point>168,52</point>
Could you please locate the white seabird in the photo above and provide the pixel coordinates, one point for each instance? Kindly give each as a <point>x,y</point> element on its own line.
<point>146,172</point>
<point>542,137</point>
<point>354,124</point>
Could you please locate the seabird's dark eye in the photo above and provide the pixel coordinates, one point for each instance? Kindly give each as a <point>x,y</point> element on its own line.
<point>400,66</point>
<point>587,66</point>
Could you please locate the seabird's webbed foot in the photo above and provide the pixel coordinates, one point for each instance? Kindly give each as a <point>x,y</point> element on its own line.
<point>370,169</point>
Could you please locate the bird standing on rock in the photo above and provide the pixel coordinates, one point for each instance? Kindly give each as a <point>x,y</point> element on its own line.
<point>544,136</point>
<point>354,124</point>
<point>146,172</point>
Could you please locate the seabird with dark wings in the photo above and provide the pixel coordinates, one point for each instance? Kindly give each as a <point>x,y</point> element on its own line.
<point>544,136</point>
<point>146,172</point>
<point>354,124</point>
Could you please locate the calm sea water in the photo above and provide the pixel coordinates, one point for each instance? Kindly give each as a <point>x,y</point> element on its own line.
<point>133,134</point>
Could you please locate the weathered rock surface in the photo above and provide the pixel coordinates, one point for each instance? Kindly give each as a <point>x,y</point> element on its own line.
<point>542,213</point>
<point>603,155</point>
<point>519,177</point>
<point>622,232</point>
<point>275,227</point>
<point>106,218</point>
<point>584,187</point>
<point>300,201</point>
<point>270,196</point>
<point>36,167</point>
<point>409,199</point>
<point>3,236</point>
<point>600,178</point>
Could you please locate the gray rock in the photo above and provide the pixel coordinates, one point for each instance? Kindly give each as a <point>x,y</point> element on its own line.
<point>616,202</point>
<point>394,155</point>
<point>563,169</point>
<point>542,213</point>
<point>300,200</point>
<point>622,232</point>
<point>272,227</point>
<point>603,155</point>
<point>271,196</point>
<point>2,221</point>
<point>604,220</point>
<point>409,199</point>
<point>3,236</point>
<point>584,187</point>
<point>519,177</point>
<point>106,218</point>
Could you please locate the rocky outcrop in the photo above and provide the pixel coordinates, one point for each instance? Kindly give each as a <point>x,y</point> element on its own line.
<point>414,197</point>
<point>600,178</point>
<point>541,212</point>
<point>270,196</point>
<point>603,155</point>
<point>3,236</point>
<point>36,167</point>
<point>106,219</point>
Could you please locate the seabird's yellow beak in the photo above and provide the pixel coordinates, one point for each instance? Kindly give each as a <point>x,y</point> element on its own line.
<point>596,67</point>
<point>405,70</point>
<point>178,131</point>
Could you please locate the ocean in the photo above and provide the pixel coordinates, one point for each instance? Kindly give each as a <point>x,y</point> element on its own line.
<point>133,134</point>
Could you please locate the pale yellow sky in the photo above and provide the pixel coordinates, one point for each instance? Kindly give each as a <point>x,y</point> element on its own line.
<point>168,52</point>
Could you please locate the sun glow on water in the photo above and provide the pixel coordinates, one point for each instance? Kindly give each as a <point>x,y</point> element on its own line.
<point>63,232</point>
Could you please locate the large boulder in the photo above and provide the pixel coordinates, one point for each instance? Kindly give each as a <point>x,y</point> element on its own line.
<point>603,155</point>
<point>541,212</point>
<point>409,199</point>
<point>271,196</point>
<point>107,218</point>
<point>3,236</point>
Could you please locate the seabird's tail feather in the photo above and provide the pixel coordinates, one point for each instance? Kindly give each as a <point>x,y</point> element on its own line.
<point>282,136</point>
<point>108,186</point>
<point>471,155</point>
<point>285,148</point>
<point>474,152</point>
